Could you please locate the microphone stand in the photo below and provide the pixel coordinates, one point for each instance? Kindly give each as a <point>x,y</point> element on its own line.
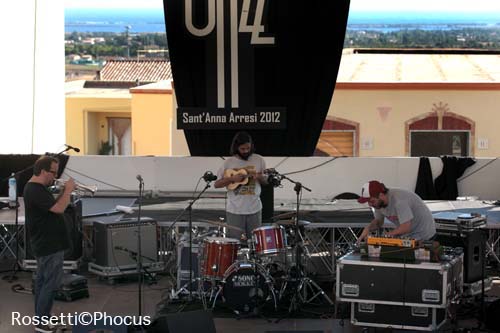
<point>17,267</point>
<point>139,245</point>
<point>303,282</point>
<point>189,209</point>
<point>190,215</point>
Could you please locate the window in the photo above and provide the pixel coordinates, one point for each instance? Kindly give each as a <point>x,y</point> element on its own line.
<point>438,143</point>
<point>335,143</point>
<point>440,132</point>
<point>120,136</point>
<point>338,138</point>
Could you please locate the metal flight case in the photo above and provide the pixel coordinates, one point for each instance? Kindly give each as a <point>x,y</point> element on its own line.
<point>397,317</point>
<point>419,283</point>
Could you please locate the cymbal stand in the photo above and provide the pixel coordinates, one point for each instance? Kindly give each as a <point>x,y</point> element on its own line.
<point>304,285</point>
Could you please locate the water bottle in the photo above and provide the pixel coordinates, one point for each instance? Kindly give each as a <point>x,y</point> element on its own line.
<point>12,191</point>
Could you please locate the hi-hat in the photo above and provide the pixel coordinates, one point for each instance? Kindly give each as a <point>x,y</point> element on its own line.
<point>223,225</point>
<point>291,222</point>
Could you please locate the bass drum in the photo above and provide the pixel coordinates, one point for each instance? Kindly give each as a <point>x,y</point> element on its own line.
<point>247,286</point>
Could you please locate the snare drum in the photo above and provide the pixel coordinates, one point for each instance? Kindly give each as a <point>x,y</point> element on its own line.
<point>218,254</point>
<point>269,239</point>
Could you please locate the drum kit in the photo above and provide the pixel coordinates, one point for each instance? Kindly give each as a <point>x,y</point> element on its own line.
<point>249,274</point>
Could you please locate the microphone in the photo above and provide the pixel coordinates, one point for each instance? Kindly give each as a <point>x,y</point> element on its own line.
<point>139,178</point>
<point>73,148</point>
<point>209,176</point>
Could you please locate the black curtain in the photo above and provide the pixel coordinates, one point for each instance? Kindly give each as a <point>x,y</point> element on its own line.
<point>453,168</point>
<point>425,183</point>
<point>22,166</point>
<point>298,73</point>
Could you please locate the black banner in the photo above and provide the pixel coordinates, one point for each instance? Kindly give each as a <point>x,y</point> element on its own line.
<point>266,66</point>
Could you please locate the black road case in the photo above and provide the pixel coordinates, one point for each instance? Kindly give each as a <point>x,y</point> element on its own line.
<point>397,316</point>
<point>420,283</point>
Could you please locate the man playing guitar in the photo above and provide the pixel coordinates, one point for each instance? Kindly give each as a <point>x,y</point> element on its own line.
<point>242,174</point>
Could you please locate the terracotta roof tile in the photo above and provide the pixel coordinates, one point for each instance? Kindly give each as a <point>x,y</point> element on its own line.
<point>133,70</point>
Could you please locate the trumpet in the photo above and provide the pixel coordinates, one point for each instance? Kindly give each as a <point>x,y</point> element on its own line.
<point>80,190</point>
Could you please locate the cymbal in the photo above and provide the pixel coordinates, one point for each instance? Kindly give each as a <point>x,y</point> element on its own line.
<point>292,222</point>
<point>284,215</point>
<point>288,215</point>
<point>223,225</point>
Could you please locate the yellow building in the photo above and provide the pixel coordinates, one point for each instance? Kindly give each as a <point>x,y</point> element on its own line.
<point>407,104</point>
<point>383,105</point>
<point>123,113</point>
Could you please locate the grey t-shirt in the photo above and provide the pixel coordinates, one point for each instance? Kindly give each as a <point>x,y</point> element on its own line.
<point>404,206</point>
<point>245,199</point>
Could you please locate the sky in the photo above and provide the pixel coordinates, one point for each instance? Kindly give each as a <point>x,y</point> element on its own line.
<point>356,5</point>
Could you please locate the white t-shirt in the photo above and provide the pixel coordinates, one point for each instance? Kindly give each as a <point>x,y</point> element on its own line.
<point>245,199</point>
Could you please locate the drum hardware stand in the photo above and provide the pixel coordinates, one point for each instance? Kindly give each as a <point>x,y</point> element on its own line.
<point>303,283</point>
<point>189,208</point>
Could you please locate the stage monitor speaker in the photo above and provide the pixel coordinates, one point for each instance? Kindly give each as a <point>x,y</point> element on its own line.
<point>116,242</point>
<point>473,243</point>
<point>181,322</point>
<point>267,199</point>
<point>73,221</point>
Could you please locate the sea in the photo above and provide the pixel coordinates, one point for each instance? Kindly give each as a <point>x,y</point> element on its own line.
<point>152,20</point>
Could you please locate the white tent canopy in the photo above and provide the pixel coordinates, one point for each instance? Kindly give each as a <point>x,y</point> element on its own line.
<point>32,88</point>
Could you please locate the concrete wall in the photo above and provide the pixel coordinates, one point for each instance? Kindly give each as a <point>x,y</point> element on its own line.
<point>327,177</point>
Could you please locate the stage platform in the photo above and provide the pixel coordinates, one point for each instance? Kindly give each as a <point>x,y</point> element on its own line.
<point>121,300</point>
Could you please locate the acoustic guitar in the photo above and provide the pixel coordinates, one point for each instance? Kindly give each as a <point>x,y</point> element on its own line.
<point>231,172</point>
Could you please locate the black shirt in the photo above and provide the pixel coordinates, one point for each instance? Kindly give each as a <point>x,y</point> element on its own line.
<point>46,230</point>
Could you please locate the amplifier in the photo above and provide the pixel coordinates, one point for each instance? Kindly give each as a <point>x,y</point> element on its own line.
<point>115,243</point>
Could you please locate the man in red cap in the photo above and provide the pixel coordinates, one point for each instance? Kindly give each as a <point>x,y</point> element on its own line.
<point>405,209</point>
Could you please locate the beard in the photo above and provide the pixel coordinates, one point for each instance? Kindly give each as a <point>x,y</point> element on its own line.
<point>380,204</point>
<point>244,156</point>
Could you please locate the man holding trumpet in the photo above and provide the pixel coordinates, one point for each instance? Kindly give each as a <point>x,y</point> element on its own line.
<point>46,232</point>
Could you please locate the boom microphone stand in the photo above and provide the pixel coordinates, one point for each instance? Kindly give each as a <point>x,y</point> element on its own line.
<point>303,282</point>
<point>139,245</point>
<point>208,177</point>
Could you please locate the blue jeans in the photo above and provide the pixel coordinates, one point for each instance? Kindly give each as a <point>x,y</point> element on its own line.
<point>48,280</point>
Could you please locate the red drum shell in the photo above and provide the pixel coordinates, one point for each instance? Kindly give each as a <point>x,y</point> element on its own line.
<point>269,239</point>
<point>218,254</point>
